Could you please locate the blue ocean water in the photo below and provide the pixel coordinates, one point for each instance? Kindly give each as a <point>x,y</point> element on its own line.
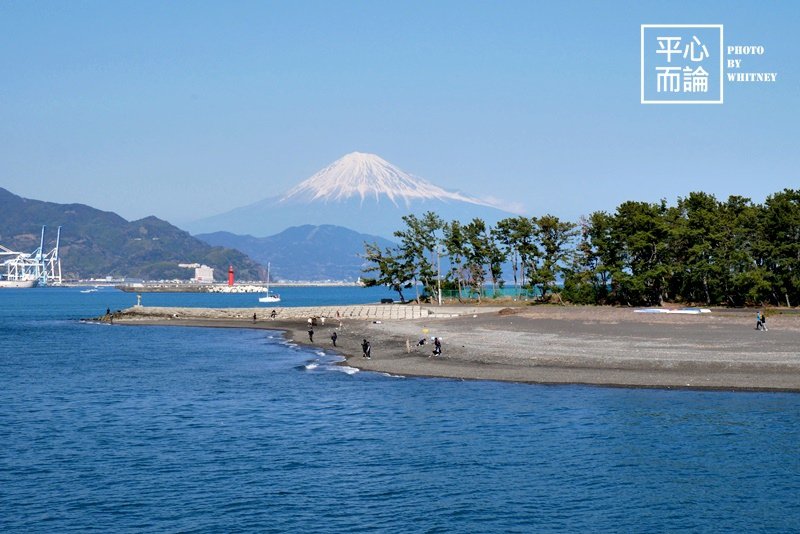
<point>137,429</point>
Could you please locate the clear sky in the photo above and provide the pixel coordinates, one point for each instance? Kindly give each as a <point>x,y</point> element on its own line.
<point>186,109</point>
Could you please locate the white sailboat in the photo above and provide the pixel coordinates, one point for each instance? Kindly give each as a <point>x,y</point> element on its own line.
<point>269,297</point>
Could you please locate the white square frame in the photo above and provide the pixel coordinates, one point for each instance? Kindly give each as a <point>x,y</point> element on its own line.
<point>721,64</point>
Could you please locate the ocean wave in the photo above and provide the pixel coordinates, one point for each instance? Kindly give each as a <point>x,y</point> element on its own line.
<point>91,321</point>
<point>344,369</point>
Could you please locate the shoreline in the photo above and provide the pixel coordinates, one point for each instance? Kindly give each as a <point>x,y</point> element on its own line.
<point>609,347</point>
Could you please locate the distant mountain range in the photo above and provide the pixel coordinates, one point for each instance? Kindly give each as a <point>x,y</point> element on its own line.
<point>307,252</point>
<point>97,243</point>
<point>359,191</point>
<point>316,230</point>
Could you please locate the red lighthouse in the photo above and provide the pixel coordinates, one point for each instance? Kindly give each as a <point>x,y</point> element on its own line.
<point>230,275</point>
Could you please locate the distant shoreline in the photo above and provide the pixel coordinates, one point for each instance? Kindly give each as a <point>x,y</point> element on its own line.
<point>181,287</point>
<point>552,345</point>
<point>249,287</point>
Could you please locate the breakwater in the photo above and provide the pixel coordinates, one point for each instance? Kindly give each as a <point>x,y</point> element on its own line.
<point>366,311</point>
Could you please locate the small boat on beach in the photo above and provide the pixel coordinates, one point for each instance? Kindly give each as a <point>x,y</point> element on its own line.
<point>682,311</point>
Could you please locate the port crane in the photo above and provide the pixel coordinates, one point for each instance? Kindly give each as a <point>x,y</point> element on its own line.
<point>20,269</point>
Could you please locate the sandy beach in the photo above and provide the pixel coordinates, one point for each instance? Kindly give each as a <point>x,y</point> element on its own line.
<point>552,345</point>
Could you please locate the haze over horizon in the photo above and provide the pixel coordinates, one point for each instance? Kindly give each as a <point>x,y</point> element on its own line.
<point>184,111</point>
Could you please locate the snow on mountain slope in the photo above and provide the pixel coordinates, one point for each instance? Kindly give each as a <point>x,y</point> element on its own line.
<point>368,176</point>
<point>359,191</point>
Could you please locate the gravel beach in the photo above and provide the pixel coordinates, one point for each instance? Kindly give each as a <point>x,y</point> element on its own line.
<point>555,345</point>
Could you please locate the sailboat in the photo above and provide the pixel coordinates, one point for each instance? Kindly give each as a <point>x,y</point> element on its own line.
<point>269,297</point>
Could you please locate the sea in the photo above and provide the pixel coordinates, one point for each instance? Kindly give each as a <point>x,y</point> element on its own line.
<point>114,428</point>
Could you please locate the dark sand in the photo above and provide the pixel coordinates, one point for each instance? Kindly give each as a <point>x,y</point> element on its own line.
<point>560,345</point>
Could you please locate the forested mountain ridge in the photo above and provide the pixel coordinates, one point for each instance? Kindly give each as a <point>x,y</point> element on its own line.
<point>308,252</point>
<point>96,243</point>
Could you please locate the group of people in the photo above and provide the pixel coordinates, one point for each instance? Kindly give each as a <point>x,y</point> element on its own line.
<point>272,316</point>
<point>334,335</point>
<point>437,345</point>
<point>761,321</point>
<point>366,346</point>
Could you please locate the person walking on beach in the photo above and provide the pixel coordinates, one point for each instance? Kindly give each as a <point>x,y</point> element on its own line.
<point>759,321</point>
<point>311,333</point>
<point>273,315</point>
<point>333,337</point>
<point>763,321</point>
<point>254,318</point>
<point>367,349</point>
<point>437,346</point>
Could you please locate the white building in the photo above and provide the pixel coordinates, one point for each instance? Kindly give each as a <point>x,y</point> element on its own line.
<point>203,275</point>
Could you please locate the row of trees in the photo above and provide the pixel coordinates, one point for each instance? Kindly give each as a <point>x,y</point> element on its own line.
<point>700,250</point>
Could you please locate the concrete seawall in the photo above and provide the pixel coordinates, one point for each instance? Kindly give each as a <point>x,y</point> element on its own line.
<point>367,311</point>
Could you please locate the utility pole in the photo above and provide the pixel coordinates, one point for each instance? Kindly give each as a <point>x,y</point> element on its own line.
<point>439,274</point>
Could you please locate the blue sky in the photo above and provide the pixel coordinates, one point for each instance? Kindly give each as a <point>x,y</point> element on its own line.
<point>186,109</point>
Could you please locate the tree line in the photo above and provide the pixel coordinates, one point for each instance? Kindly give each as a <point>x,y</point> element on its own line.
<point>700,250</point>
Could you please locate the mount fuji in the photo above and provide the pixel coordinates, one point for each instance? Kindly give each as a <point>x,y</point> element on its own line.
<point>359,191</point>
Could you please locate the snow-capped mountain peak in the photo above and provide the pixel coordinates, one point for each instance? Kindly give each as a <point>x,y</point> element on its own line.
<point>359,191</point>
<point>369,177</point>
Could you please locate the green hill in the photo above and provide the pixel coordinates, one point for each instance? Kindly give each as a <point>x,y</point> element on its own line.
<point>307,252</point>
<point>97,243</point>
